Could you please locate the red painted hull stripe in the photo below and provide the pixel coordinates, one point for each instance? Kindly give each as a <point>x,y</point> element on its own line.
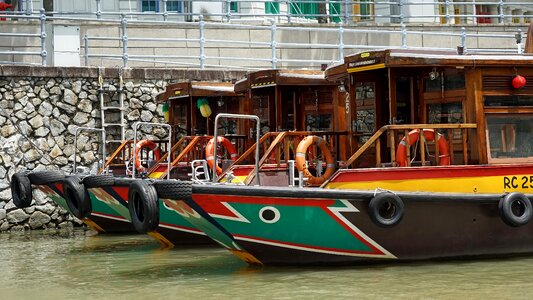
<point>428,173</point>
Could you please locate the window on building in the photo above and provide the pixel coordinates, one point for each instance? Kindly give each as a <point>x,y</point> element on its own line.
<point>174,6</point>
<point>234,6</point>
<point>304,9</point>
<point>150,5</point>
<point>272,7</point>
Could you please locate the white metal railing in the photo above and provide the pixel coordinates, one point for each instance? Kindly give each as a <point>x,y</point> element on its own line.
<point>274,44</point>
<point>202,60</point>
<point>345,11</point>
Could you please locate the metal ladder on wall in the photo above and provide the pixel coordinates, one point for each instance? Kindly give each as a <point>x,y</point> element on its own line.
<point>107,109</point>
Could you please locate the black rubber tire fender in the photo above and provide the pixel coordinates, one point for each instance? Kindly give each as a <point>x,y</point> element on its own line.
<point>143,206</point>
<point>515,209</point>
<point>386,209</point>
<point>95,181</point>
<point>174,189</point>
<point>45,176</point>
<point>21,190</point>
<point>77,197</point>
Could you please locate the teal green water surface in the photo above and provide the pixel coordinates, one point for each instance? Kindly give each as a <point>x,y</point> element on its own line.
<point>78,264</point>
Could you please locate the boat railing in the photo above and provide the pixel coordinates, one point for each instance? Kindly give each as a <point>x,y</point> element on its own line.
<point>456,137</point>
<point>277,148</point>
<point>124,153</point>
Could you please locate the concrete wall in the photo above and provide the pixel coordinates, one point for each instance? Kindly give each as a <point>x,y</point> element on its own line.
<point>40,109</point>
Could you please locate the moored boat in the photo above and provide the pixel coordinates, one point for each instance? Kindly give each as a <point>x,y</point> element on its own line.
<point>441,168</point>
<point>190,104</point>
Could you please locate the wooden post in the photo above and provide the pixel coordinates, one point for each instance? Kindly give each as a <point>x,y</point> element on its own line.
<point>408,151</point>
<point>529,39</point>
<point>378,152</point>
<point>437,157</point>
<point>422,141</point>
<point>465,149</point>
<point>391,134</point>
<point>450,144</point>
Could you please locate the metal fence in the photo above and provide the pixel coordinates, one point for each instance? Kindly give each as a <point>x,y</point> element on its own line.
<point>335,11</point>
<point>201,60</point>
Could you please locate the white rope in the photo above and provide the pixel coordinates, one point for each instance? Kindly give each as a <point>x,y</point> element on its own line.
<point>380,190</point>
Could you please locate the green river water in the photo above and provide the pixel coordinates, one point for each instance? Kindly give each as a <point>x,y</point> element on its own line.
<point>80,264</point>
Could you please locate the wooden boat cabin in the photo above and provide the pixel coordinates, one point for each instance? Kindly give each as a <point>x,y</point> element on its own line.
<point>192,107</point>
<point>293,104</point>
<point>480,105</point>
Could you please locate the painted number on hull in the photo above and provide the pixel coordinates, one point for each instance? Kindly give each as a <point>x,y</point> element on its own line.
<point>515,182</point>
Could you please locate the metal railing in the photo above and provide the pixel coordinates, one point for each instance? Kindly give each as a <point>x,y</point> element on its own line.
<point>396,38</point>
<point>334,11</point>
<point>275,45</point>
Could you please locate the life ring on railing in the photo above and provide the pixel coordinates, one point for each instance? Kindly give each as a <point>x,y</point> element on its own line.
<point>148,144</point>
<point>301,164</point>
<point>209,151</point>
<point>429,135</point>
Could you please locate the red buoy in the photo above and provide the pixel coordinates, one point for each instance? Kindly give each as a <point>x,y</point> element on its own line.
<point>519,81</point>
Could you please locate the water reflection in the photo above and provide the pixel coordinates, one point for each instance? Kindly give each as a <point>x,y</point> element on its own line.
<point>77,263</point>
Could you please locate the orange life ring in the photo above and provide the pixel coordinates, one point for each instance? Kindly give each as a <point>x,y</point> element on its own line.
<point>149,145</point>
<point>301,164</point>
<point>209,150</point>
<point>429,135</point>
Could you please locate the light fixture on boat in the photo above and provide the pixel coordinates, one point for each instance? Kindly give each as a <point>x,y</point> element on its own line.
<point>342,88</point>
<point>433,74</point>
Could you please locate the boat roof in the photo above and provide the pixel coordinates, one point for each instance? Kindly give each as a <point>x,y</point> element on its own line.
<point>196,89</point>
<point>390,58</point>
<point>268,78</point>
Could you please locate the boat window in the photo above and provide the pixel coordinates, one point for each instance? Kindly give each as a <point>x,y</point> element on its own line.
<point>441,113</point>
<point>260,109</point>
<point>509,100</point>
<point>365,125</point>
<point>318,122</point>
<point>179,119</point>
<point>510,136</point>
<point>437,82</point>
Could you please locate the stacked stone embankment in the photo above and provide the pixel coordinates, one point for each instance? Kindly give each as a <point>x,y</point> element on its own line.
<point>40,109</point>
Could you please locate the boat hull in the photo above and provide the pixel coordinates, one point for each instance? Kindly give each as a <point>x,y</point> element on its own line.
<point>173,229</point>
<point>101,218</point>
<point>271,225</point>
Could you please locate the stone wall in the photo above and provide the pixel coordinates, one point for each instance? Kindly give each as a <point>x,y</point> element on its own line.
<point>40,109</point>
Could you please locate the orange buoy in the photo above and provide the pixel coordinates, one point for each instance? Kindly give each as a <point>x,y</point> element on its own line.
<point>301,163</point>
<point>209,150</point>
<point>429,135</point>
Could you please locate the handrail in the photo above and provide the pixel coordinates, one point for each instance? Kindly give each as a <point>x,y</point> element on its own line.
<point>445,12</point>
<point>215,141</point>
<point>385,128</point>
<point>135,128</point>
<point>114,155</point>
<point>280,137</point>
<point>272,34</point>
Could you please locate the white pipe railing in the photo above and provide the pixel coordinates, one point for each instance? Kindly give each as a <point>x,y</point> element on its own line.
<point>345,11</point>
<point>444,12</point>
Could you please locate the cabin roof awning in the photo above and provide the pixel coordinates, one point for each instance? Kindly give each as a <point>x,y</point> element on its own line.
<point>269,78</point>
<point>196,88</point>
<point>389,58</point>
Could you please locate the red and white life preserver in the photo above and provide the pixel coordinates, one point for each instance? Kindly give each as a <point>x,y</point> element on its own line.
<point>429,135</point>
<point>148,144</point>
<point>301,163</point>
<point>209,150</point>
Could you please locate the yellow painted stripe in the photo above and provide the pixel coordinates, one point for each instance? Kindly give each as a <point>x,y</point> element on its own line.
<point>161,239</point>
<point>366,68</point>
<point>483,185</point>
<point>246,257</point>
<point>93,225</point>
<point>155,174</point>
